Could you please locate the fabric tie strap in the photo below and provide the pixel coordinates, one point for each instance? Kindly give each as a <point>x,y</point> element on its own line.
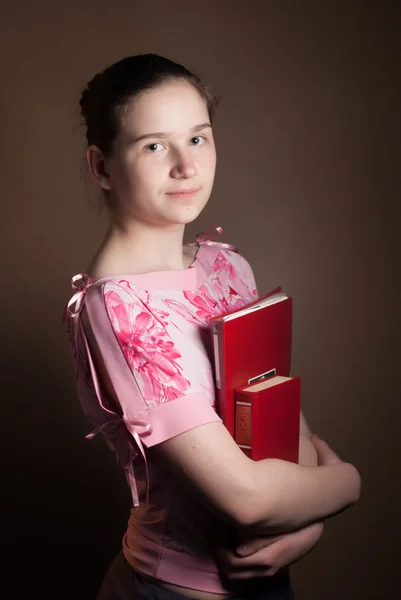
<point>74,305</point>
<point>136,427</point>
<point>207,238</point>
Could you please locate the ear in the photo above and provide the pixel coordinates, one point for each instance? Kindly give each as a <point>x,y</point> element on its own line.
<point>97,167</point>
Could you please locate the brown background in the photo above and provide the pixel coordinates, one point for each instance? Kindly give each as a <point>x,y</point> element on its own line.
<point>307,186</point>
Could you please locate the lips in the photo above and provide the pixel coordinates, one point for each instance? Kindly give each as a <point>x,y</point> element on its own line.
<point>184,194</point>
<point>184,191</point>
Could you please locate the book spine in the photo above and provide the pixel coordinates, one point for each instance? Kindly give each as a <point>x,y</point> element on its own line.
<point>218,333</point>
<point>243,421</point>
<point>217,351</point>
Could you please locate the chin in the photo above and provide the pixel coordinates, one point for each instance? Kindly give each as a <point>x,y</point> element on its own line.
<point>186,216</point>
<point>184,219</point>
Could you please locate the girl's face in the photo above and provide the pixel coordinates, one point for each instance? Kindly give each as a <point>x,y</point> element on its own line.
<point>165,146</point>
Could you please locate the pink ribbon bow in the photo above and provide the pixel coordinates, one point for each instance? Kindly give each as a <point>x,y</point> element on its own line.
<point>74,305</point>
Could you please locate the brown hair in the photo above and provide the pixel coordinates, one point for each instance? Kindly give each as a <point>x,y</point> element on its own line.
<point>109,93</point>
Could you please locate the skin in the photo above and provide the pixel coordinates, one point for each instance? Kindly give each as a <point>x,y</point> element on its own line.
<point>146,224</point>
<point>146,235</point>
<point>264,555</point>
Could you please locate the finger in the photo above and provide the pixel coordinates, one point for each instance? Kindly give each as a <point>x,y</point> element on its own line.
<point>317,440</point>
<point>241,571</point>
<point>243,568</point>
<point>229,560</point>
<point>231,563</point>
<point>322,446</point>
<point>256,544</point>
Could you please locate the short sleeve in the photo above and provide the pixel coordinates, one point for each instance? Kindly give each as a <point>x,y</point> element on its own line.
<point>249,278</point>
<point>242,276</point>
<point>147,372</point>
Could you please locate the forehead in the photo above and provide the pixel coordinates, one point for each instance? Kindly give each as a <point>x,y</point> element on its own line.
<point>172,107</point>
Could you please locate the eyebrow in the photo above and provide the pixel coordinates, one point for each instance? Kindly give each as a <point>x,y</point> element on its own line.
<point>163,134</point>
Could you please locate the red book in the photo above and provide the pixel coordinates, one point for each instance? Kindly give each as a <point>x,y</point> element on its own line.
<point>250,344</point>
<point>267,418</point>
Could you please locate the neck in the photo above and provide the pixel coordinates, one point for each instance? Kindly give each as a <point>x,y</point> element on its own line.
<point>157,248</point>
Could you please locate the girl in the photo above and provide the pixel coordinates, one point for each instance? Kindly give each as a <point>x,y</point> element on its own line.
<point>138,327</point>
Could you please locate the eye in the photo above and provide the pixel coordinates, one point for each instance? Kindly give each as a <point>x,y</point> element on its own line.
<point>198,140</point>
<point>153,147</point>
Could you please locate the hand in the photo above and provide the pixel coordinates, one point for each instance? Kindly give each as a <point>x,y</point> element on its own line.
<point>265,555</point>
<point>326,456</point>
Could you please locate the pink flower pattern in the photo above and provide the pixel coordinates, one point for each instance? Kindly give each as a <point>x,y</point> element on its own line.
<point>148,350</point>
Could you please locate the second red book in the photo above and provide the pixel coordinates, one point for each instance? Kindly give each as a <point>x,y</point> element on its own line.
<point>267,418</point>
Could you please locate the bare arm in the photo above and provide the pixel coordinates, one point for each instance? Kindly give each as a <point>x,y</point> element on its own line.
<point>262,553</point>
<point>307,457</point>
<point>309,534</point>
<point>270,495</point>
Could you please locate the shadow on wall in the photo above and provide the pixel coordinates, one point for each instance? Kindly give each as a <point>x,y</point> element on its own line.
<point>62,492</point>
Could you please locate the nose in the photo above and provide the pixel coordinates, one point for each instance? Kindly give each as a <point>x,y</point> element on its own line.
<point>184,166</point>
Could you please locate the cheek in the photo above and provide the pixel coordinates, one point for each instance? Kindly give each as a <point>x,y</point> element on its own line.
<point>210,163</point>
<point>140,175</point>
<point>206,160</point>
<point>127,173</point>
<point>149,180</point>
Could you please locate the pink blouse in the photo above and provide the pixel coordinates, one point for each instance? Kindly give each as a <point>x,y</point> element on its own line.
<point>143,357</point>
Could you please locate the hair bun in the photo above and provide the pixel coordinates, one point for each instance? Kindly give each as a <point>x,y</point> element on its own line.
<point>92,91</point>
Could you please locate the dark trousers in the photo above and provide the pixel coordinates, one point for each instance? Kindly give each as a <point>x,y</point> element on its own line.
<point>123,583</point>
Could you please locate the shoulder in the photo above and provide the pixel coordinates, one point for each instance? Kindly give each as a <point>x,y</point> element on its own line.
<point>118,302</point>
<point>239,271</point>
<point>212,247</point>
<point>223,253</point>
<point>226,265</point>
<point>241,268</point>
<point>100,303</point>
<point>210,244</point>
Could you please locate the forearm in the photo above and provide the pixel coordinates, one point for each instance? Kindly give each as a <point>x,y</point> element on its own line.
<point>264,555</point>
<point>307,457</point>
<point>299,495</point>
<point>273,551</point>
<point>295,545</point>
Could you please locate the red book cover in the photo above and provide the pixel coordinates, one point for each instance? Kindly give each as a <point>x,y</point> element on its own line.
<point>267,418</point>
<point>250,343</point>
